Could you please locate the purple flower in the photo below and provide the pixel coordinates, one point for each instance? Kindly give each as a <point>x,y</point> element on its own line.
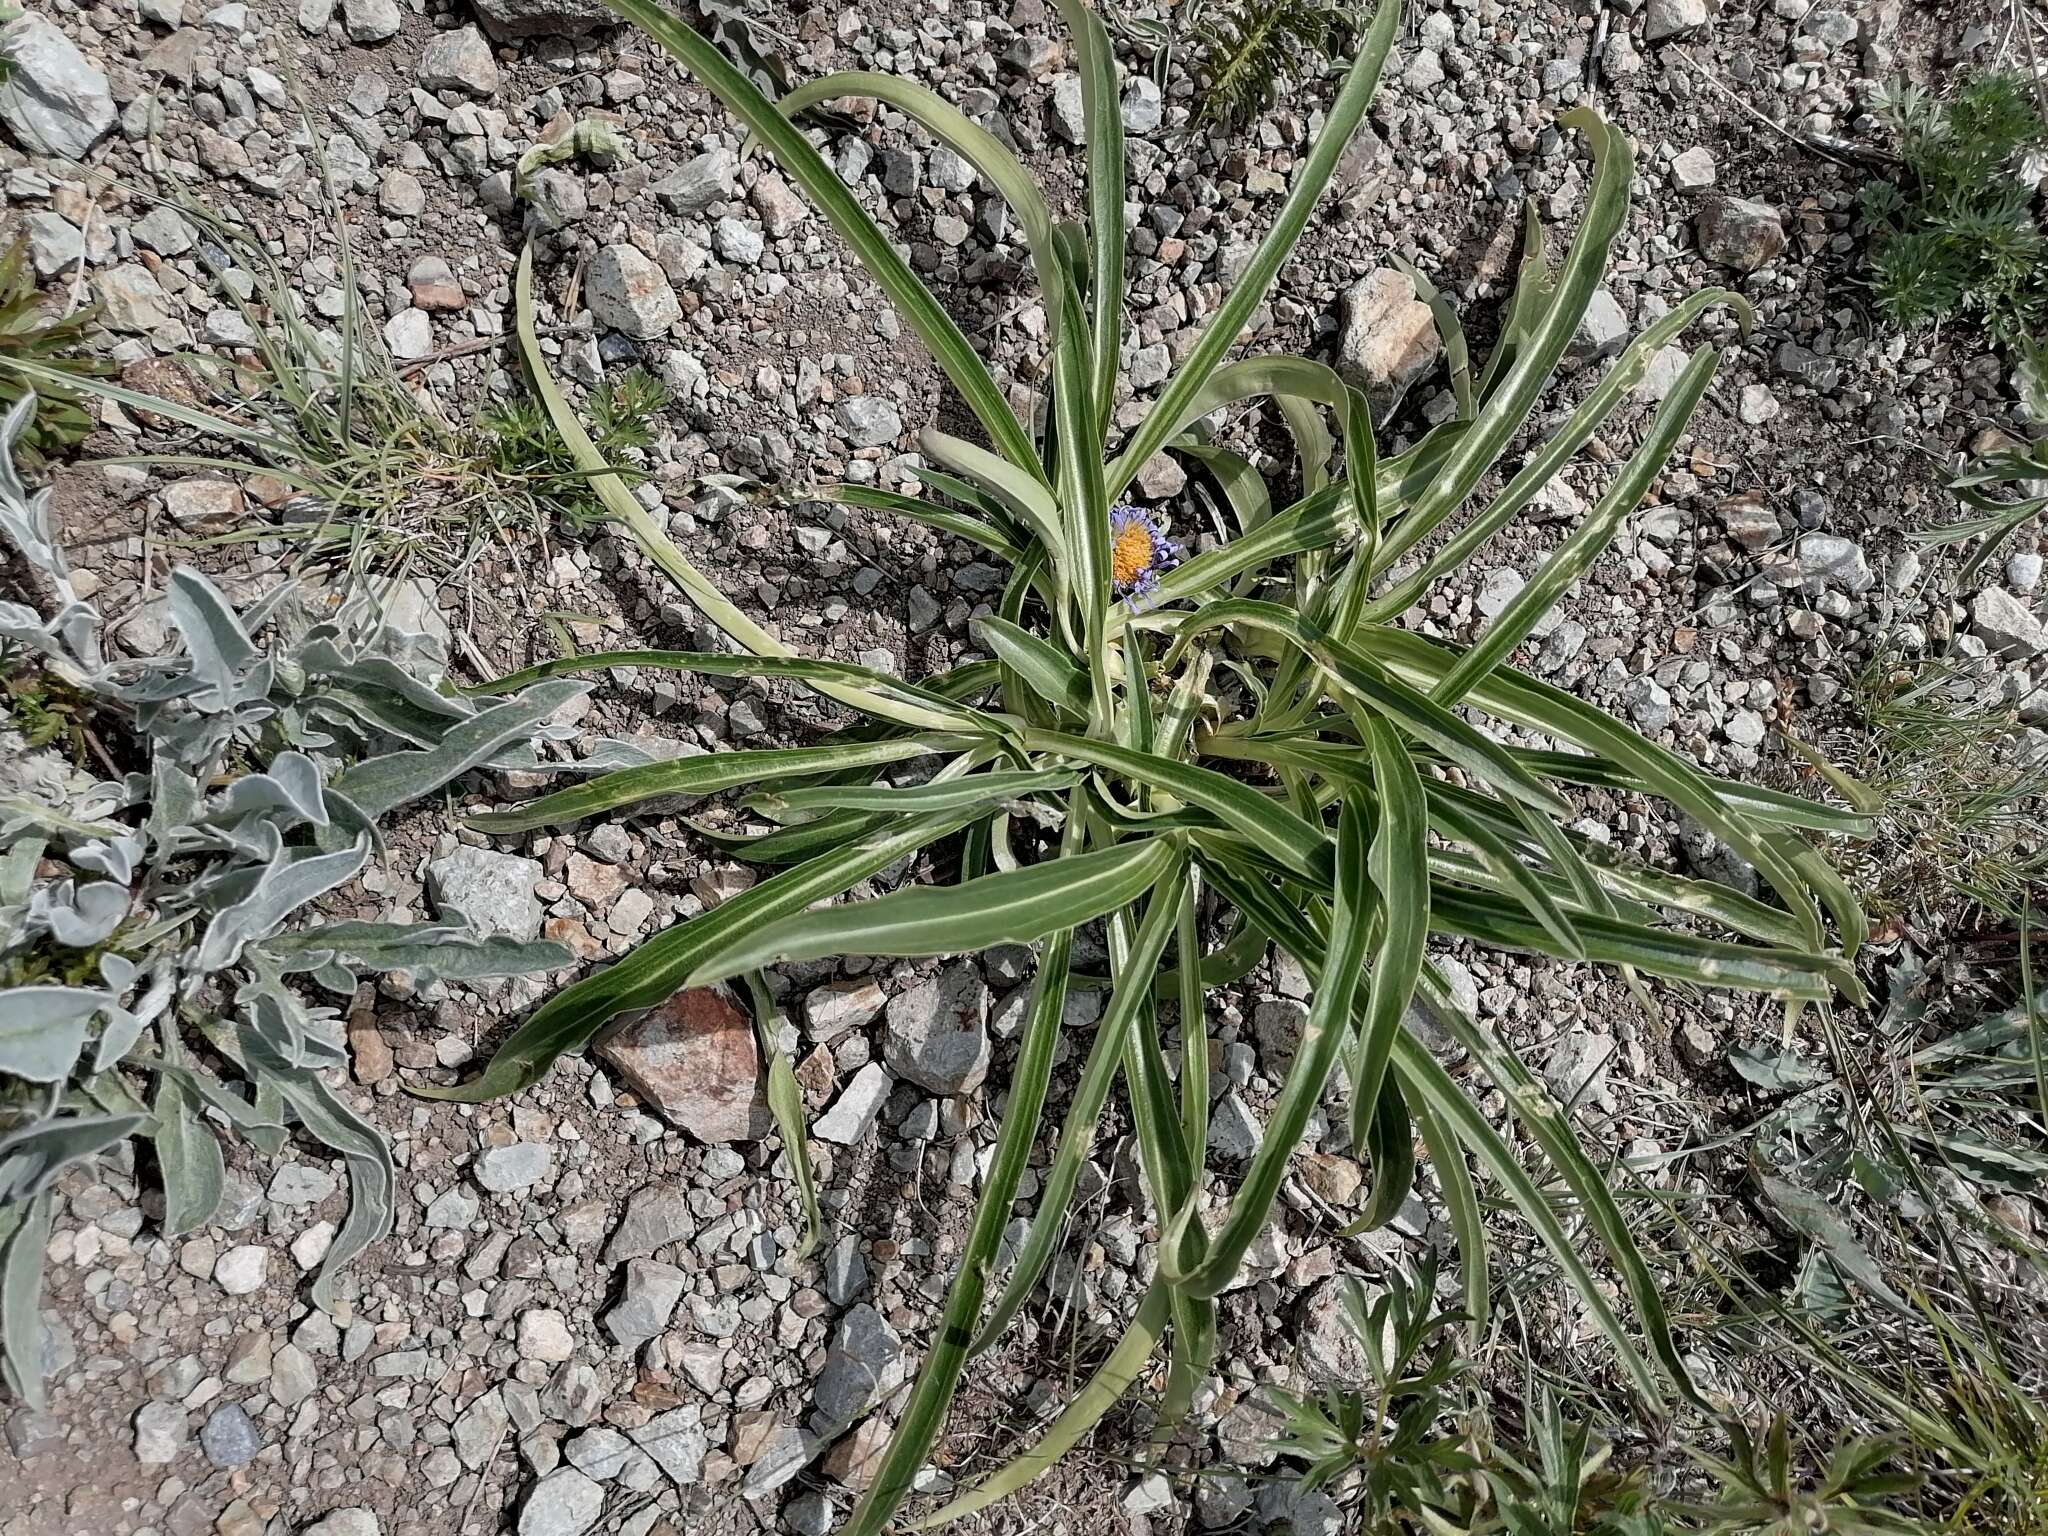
<point>1138,551</point>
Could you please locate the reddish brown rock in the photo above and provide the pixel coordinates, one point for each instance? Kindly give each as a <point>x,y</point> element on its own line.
<point>366,1043</point>
<point>696,1061</point>
<point>434,285</point>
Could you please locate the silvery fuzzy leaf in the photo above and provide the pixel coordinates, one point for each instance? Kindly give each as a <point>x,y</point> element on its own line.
<point>23,626</point>
<point>18,814</point>
<point>32,1157</point>
<point>429,951</point>
<point>125,1025</point>
<point>296,721</point>
<point>280,1031</point>
<point>77,624</point>
<point>21,1282</point>
<point>173,806</point>
<point>256,842</point>
<point>224,658</point>
<point>377,693</point>
<point>80,916</point>
<point>25,519</point>
<point>292,781</point>
<point>264,609</point>
<point>118,972</point>
<point>288,882</point>
<point>188,1155</point>
<point>42,1030</point>
<point>379,785</point>
<point>114,857</point>
<point>18,868</point>
<point>372,1180</point>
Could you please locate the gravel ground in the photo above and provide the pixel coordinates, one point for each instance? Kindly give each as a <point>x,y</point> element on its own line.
<point>592,1316</point>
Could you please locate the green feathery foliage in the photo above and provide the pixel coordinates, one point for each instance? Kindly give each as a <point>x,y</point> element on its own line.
<point>1247,48</point>
<point>1957,234</point>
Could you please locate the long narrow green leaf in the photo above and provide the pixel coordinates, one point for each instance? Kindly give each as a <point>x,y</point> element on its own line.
<point>1220,332</point>
<point>1428,1086</point>
<point>1461,1205</point>
<point>1589,540</point>
<point>1085,501</point>
<point>1084,1109</point>
<point>620,505</point>
<point>1110,1381</point>
<point>786,1104</point>
<point>1399,865</point>
<point>808,168</point>
<point>1304,848</point>
<point>1514,696</point>
<point>1102,110</point>
<point>960,525</point>
<point>657,969</point>
<point>803,669</point>
<point>1614,387</point>
<point>1040,665</point>
<point>939,1377</point>
<point>969,140</point>
<point>1018,906</point>
<point>703,775</point>
<point>1549,1129</point>
<point>1315,1058</point>
<point>1535,360</point>
<point>979,789</point>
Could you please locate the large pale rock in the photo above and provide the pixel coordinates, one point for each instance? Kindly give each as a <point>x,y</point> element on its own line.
<point>541,18</point>
<point>696,1061</point>
<point>55,100</point>
<point>630,294</point>
<point>1389,339</point>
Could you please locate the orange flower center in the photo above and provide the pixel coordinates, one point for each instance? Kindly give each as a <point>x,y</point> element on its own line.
<point>1131,555</point>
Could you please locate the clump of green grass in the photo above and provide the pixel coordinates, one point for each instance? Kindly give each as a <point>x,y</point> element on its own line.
<point>523,448</point>
<point>1955,791</point>
<point>379,477</point>
<point>1956,235</point>
<point>32,331</point>
<point>1245,50</point>
<point>1418,1445</point>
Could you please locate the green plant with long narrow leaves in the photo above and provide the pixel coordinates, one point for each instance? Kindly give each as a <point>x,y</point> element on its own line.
<point>1210,758</point>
